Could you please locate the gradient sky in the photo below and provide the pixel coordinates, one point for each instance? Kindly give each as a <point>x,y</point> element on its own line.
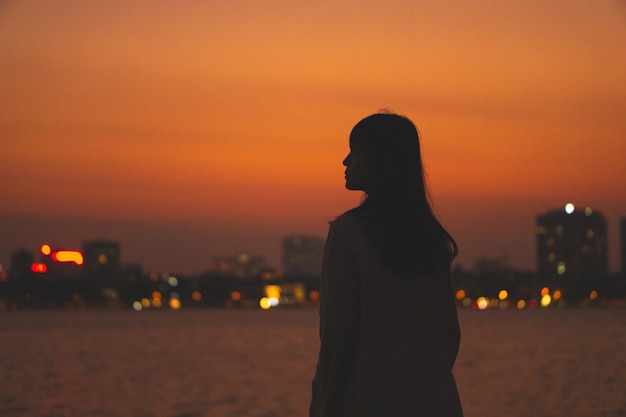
<point>193,129</point>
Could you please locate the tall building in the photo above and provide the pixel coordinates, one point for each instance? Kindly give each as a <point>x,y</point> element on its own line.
<point>21,263</point>
<point>242,265</point>
<point>622,230</point>
<point>572,244</point>
<point>302,255</point>
<point>101,258</point>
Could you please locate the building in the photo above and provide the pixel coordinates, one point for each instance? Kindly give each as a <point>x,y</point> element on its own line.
<point>242,265</point>
<point>572,244</point>
<point>302,255</point>
<point>101,258</point>
<point>21,263</point>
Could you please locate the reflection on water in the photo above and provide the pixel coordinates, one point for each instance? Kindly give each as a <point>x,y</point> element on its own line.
<point>259,363</point>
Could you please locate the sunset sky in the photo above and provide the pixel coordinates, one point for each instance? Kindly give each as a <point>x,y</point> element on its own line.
<point>193,129</point>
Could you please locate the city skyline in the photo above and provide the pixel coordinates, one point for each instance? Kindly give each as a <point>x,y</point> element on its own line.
<point>284,249</point>
<point>193,130</point>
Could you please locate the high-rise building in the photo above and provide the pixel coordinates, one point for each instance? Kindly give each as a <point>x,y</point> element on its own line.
<point>101,258</point>
<point>302,255</point>
<point>622,230</point>
<point>572,244</point>
<point>242,265</point>
<point>21,263</point>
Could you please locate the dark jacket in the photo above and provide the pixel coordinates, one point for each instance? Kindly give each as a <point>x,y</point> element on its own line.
<point>388,342</point>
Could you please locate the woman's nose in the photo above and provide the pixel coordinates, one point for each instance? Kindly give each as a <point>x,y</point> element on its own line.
<point>346,160</point>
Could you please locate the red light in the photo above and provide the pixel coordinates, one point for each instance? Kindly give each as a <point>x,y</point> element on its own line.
<point>68,256</point>
<point>39,268</point>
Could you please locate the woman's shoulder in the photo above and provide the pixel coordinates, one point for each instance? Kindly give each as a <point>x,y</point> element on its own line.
<point>346,221</point>
<point>346,227</point>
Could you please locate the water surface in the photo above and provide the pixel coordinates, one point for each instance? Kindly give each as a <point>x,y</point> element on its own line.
<point>222,363</point>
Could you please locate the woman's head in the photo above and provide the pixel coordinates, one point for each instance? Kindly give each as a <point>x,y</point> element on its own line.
<point>384,159</point>
<point>385,162</point>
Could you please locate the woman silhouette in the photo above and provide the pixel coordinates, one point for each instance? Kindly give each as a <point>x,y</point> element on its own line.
<point>389,331</point>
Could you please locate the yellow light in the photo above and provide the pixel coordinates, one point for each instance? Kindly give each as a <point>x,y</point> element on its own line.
<point>145,302</point>
<point>545,291</point>
<point>557,295</point>
<point>272,291</point>
<point>196,296</point>
<point>460,294</point>
<point>46,250</point>
<point>157,303</point>
<point>156,295</point>
<point>593,295</point>
<point>467,302</point>
<point>546,300</point>
<point>235,296</point>
<point>521,304</point>
<point>482,303</point>
<point>68,256</point>
<point>102,259</point>
<point>137,306</point>
<point>265,303</point>
<point>174,303</point>
<point>503,295</point>
<point>569,208</point>
<point>560,268</point>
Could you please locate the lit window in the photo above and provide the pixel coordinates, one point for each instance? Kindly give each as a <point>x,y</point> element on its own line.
<point>560,268</point>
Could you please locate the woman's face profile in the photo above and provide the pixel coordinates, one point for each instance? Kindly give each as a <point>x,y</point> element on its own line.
<point>358,168</point>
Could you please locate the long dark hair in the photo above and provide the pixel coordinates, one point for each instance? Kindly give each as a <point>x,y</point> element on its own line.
<point>396,211</point>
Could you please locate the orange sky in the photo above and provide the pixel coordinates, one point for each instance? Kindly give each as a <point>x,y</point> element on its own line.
<point>220,126</point>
